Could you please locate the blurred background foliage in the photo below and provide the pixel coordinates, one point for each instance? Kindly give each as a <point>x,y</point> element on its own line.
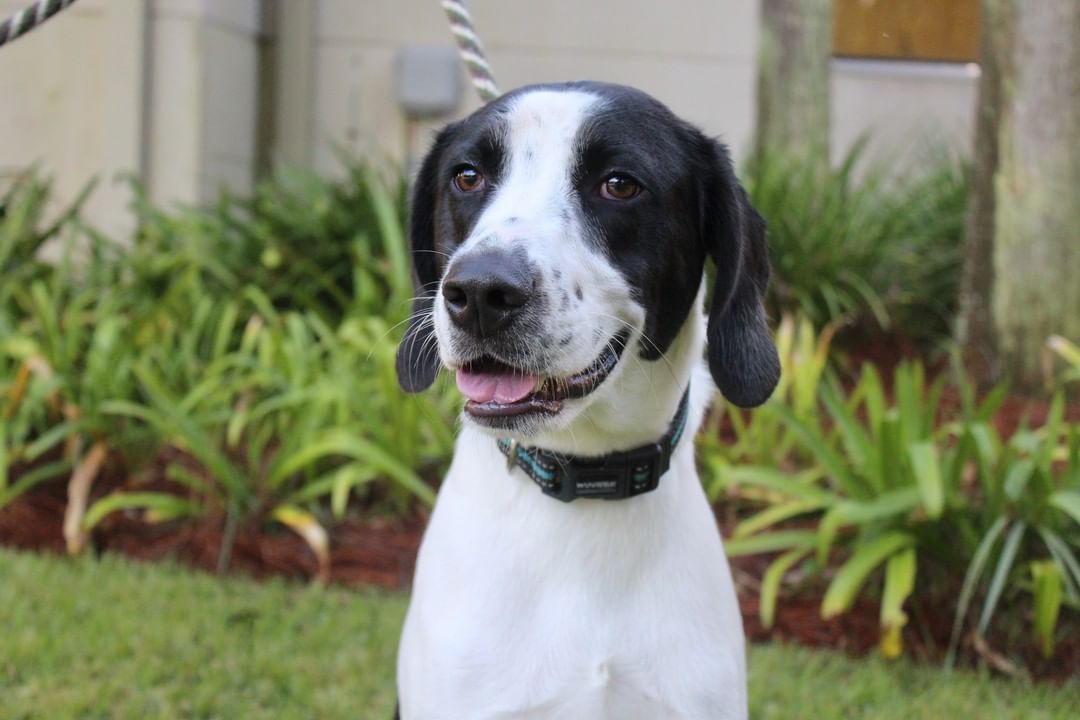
<point>234,365</point>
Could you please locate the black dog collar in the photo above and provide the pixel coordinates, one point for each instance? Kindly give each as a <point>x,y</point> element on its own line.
<point>611,477</point>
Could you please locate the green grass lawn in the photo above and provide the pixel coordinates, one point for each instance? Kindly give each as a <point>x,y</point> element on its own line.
<point>108,639</point>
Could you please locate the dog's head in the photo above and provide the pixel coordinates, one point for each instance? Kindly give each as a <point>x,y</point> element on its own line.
<point>563,229</point>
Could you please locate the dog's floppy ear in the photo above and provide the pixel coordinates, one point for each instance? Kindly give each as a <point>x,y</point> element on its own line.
<point>418,354</point>
<point>742,357</point>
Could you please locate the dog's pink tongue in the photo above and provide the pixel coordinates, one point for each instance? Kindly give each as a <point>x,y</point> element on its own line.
<point>483,387</point>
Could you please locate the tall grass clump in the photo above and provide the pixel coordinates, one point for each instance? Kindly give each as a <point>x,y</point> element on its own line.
<point>862,241</point>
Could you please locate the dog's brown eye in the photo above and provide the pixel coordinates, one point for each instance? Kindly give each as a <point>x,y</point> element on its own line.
<point>619,187</point>
<point>468,179</point>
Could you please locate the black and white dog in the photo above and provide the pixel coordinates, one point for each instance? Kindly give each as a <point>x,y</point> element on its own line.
<point>559,237</point>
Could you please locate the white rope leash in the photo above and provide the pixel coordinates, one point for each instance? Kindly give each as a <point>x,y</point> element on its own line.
<point>471,49</point>
<point>29,18</point>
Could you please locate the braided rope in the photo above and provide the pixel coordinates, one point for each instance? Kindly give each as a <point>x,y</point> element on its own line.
<point>29,18</point>
<point>471,49</point>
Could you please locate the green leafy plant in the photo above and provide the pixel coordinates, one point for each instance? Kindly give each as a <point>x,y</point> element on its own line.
<point>1030,509</point>
<point>309,243</point>
<point>918,500</point>
<point>863,242</point>
<point>762,437</point>
<point>24,231</point>
<point>278,400</point>
<point>64,355</point>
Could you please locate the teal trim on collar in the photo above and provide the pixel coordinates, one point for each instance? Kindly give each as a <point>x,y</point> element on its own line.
<point>612,477</point>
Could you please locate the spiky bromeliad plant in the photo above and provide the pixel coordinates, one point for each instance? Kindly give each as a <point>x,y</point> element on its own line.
<point>892,490</point>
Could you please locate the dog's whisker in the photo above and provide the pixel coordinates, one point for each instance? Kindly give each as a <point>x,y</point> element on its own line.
<point>646,338</point>
<point>424,318</point>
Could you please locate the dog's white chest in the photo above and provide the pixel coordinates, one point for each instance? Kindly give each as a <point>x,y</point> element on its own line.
<point>527,608</point>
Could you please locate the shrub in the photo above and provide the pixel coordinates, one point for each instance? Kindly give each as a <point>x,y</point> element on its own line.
<point>864,244</point>
<point>890,488</point>
<point>733,437</point>
<point>281,397</point>
<point>295,412</point>
<point>309,243</point>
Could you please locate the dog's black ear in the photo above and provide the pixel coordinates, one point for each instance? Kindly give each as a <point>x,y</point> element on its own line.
<point>742,356</point>
<point>418,354</point>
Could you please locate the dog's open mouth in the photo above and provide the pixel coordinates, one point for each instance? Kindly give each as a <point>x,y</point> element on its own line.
<point>495,389</point>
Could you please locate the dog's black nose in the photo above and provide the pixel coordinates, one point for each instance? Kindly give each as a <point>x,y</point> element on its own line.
<point>486,291</point>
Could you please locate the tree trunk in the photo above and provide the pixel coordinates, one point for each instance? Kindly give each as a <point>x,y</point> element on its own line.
<point>793,78</point>
<point>975,325</point>
<point>1037,215</point>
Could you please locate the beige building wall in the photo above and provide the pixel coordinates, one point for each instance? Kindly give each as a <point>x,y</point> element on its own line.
<point>202,98</point>
<point>904,108</point>
<point>190,96</point>
<point>72,103</point>
<point>161,90</point>
<point>695,55</point>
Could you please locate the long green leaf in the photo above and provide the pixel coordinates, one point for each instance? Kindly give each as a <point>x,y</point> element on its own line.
<point>991,403</point>
<point>393,240</point>
<point>895,502</point>
<point>1047,581</point>
<point>163,505</point>
<point>798,485</point>
<point>845,586</point>
<point>874,394</point>
<point>1016,479</point>
<point>971,579</point>
<point>30,478</point>
<point>1064,556</point>
<point>770,583</point>
<point>816,444</point>
<point>856,443</point>
<point>777,513</point>
<point>1068,502</point>
<point>182,429</point>
<point>1001,572</point>
<point>49,439</point>
<point>769,542</point>
<point>924,463</point>
<point>899,584</point>
<point>344,443</point>
<point>827,530</point>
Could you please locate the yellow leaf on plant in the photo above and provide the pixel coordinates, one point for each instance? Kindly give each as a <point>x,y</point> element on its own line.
<point>892,640</point>
<point>308,528</point>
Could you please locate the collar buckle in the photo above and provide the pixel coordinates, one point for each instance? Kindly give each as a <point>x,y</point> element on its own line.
<point>511,455</point>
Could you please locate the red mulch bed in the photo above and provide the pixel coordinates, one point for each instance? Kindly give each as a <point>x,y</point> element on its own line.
<point>382,553</point>
<point>379,552</point>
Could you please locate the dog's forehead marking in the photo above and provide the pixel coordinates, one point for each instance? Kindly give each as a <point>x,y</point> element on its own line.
<point>541,129</point>
<point>548,118</point>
